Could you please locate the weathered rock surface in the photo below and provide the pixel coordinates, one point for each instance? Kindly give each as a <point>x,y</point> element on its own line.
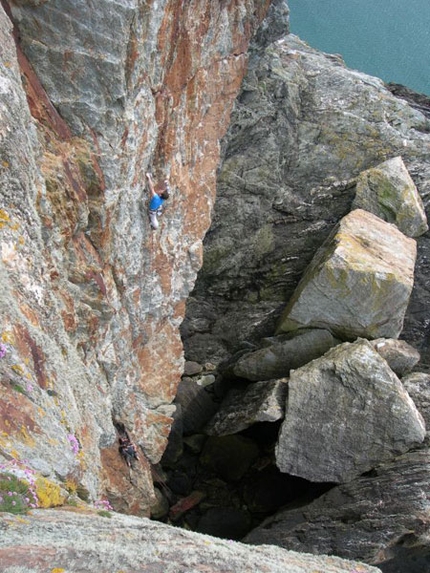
<point>304,127</point>
<point>358,283</point>
<point>382,518</point>
<point>282,354</point>
<point>197,404</point>
<point>346,413</point>
<point>91,299</point>
<point>389,192</point>
<point>400,355</point>
<point>417,385</point>
<point>68,541</point>
<point>259,402</point>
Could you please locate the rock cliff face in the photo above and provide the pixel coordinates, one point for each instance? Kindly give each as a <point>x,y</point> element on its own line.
<point>303,129</point>
<point>91,299</point>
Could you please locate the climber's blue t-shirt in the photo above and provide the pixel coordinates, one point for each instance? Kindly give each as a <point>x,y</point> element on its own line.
<point>156,202</point>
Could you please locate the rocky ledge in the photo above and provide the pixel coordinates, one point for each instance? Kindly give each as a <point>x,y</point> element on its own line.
<point>71,542</point>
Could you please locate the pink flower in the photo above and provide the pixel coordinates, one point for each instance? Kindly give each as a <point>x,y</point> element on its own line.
<point>74,443</point>
<point>3,350</point>
<point>14,503</point>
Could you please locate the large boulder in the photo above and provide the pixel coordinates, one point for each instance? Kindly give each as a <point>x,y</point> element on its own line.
<point>259,402</point>
<point>381,518</point>
<point>389,192</point>
<point>197,404</point>
<point>358,283</point>
<point>400,355</point>
<point>347,412</point>
<point>283,354</point>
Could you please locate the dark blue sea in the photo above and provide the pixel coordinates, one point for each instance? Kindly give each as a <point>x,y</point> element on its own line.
<point>389,39</point>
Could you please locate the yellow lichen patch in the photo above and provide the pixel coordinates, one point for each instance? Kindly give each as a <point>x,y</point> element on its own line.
<point>58,570</point>
<point>48,493</point>
<point>18,369</point>
<point>22,520</point>
<point>26,437</point>
<point>4,218</point>
<point>82,462</point>
<point>71,486</point>
<point>8,337</point>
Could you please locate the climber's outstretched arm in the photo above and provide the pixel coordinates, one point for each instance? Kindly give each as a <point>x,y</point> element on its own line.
<point>151,184</point>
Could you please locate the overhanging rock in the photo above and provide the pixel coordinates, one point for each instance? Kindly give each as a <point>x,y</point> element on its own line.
<point>259,402</point>
<point>359,282</point>
<point>284,354</point>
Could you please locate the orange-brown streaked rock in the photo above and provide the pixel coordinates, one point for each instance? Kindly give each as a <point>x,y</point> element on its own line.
<point>107,294</point>
<point>29,349</point>
<point>128,490</point>
<point>160,359</point>
<point>17,412</point>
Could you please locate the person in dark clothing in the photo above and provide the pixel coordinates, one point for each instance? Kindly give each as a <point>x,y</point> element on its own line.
<point>128,451</point>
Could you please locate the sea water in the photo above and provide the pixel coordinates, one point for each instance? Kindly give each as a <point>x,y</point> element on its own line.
<point>389,39</point>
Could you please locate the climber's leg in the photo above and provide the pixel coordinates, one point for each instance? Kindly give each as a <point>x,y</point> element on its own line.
<point>153,218</point>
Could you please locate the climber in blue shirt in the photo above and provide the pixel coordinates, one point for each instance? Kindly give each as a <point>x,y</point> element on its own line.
<point>157,199</point>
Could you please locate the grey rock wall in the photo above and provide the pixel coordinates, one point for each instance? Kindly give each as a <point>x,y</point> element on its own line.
<point>304,127</point>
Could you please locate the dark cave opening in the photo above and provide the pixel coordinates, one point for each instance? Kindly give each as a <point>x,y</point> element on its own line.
<point>226,486</point>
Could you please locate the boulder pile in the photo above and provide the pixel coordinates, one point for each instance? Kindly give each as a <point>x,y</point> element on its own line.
<point>322,401</point>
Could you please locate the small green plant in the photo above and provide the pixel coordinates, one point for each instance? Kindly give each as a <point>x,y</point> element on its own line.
<point>17,495</point>
<point>18,388</point>
<point>104,513</point>
<point>104,507</point>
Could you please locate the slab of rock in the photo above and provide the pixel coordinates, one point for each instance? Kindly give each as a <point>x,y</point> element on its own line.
<point>417,385</point>
<point>381,518</point>
<point>347,412</point>
<point>197,405</point>
<point>191,368</point>
<point>259,402</point>
<point>70,541</point>
<point>389,192</point>
<point>278,358</point>
<point>358,283</point>
<point>400,355</point>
